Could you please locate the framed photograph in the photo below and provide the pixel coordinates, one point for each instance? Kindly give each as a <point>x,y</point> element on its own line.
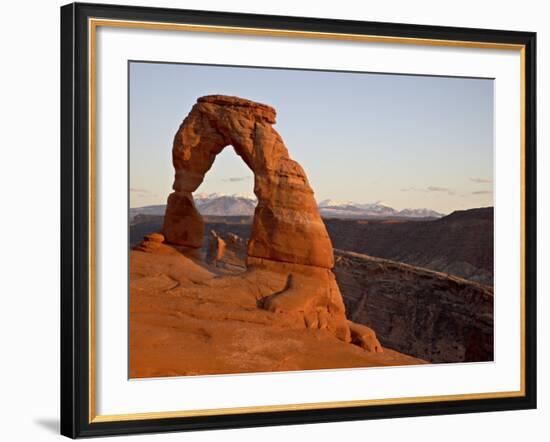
<point>274,220</point>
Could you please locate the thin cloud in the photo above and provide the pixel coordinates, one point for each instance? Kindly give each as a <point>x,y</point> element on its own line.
<point>429,189</point>
<point>236,179</point>
<point>482,180</point>
<point>482,192</point>
<point>440,189</point>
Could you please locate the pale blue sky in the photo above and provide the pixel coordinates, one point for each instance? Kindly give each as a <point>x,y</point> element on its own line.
<point>409,141</point>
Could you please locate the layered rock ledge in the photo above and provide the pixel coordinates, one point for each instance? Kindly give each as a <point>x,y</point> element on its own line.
<point>191,318</point>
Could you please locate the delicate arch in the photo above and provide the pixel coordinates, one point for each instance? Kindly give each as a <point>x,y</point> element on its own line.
<point>287,226</point>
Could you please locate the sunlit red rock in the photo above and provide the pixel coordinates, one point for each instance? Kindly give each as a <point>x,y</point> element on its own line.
<point>287,226</point>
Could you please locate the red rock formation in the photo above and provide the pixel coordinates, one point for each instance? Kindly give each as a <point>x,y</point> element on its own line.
<point>216,248</point>
<point>188,318</point>
<point>151,242</point>
<point>365,337</point>
<point>227,253</point>
<point>288,236</point>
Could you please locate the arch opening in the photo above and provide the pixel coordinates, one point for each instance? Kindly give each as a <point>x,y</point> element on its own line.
<point>226,202</point>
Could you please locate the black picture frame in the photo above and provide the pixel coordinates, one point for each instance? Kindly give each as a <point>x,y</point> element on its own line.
<point>75,219</point>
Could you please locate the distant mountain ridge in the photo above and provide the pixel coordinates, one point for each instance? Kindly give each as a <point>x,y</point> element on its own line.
<point>460,244</point>
<point>220,204</point>
<point>350,209</point>
<point>225,205</point>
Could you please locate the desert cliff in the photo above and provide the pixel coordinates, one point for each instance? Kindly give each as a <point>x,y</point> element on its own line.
<point>431,315</point>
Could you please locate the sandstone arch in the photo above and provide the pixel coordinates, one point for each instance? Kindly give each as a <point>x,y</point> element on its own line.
<point>289,252</point>
<point>287,226</point>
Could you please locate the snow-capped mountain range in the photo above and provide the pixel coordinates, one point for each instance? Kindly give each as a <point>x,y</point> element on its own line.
<point>351,209</point>
<point>240,205</point>
<point>224,205</point>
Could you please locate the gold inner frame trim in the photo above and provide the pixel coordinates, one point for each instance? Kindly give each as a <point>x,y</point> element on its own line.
<point>93,24</point>
<point>298,34</point>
